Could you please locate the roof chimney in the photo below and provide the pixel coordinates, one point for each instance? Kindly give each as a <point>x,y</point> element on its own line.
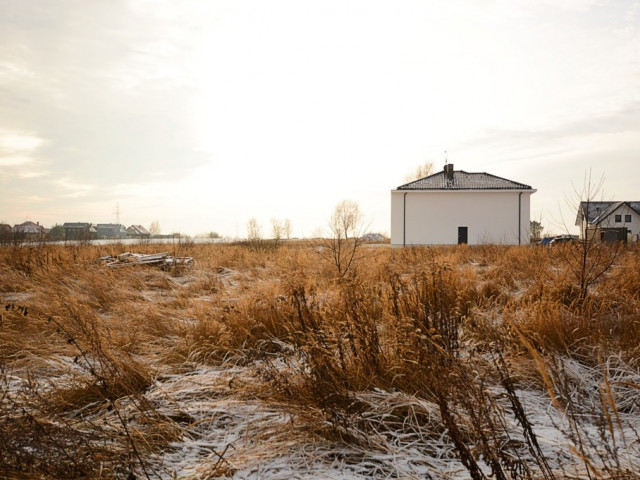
<point>448,171</point>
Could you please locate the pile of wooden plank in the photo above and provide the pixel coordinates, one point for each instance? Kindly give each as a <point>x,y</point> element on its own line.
<point>163,260</point>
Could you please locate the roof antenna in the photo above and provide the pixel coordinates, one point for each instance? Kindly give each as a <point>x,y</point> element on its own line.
<point>446,158</point>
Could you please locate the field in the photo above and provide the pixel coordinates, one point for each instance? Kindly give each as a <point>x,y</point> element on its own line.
<point>269,361</point>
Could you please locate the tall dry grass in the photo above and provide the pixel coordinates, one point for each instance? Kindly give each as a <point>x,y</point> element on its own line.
<point>463,329</point>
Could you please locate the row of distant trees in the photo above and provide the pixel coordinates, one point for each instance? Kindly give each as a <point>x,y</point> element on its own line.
<point>280,229</point>
<point>346,221</point>
<point>341,247</point>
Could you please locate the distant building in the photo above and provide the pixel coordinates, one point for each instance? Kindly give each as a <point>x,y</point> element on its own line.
<point>138,231</point>
<point>111,231</point>
<point>452,207</point>
<point>373,237</point>
<point>29,232</point>
<point>609,221</point>
<point>81,231</point>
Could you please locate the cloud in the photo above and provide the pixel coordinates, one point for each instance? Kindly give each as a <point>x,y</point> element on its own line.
<point>557,139</point>
<point>17,147</point>
<point>109,96</point>
<point>30,173</point>
<point>13,160</point>
<point>18,141</point>
<point>185,111</point>
<point>36,199</point>
<point>70,188</point>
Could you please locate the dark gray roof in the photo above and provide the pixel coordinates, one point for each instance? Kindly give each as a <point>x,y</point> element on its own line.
<point>110,225</point>
<point>76,225</point>
<point>596,212</point>
<point>111,229</point>
<point>464,181</point>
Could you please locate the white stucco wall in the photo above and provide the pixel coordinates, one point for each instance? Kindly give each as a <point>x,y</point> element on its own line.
<point>433,217</point>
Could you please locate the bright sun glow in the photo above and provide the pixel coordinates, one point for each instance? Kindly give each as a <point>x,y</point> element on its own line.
<point>203,116</point>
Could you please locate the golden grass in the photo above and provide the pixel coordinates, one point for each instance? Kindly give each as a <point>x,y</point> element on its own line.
<point>424,322</point>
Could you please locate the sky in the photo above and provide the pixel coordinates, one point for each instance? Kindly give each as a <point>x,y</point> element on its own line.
<point>201,115</point>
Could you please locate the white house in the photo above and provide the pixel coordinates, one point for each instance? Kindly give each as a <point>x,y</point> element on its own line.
<point>453,207</point>
<point>609,220</point>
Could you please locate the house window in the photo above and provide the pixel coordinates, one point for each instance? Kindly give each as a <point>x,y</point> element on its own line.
<point>618,218</point>
<point>627,218</point>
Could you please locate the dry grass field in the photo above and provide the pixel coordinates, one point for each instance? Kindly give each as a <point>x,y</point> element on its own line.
<point>264,361</point>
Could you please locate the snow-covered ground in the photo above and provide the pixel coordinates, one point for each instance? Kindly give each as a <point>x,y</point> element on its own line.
<point>227,431</point>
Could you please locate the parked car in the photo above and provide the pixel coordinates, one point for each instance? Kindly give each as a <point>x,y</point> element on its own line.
<point>545,241</point>
<point>561,239</point>
<point>557,240</point>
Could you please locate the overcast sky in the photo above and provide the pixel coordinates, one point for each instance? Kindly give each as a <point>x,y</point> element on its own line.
<point>203,114</point>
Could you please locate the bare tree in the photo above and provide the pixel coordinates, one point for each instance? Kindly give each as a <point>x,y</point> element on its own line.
<point>342,247</point>
<point>154,228</point>
<point>277,229</point>
<point>254,230</point>
<point>591,257</point>
<point>421,171</point>
<point>287,228</point>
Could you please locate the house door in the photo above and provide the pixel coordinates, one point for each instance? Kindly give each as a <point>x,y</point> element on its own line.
<point>462,235</point>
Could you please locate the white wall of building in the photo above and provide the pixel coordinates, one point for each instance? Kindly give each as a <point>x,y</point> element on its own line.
<point>632,226</point>
<point>432,217</point>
